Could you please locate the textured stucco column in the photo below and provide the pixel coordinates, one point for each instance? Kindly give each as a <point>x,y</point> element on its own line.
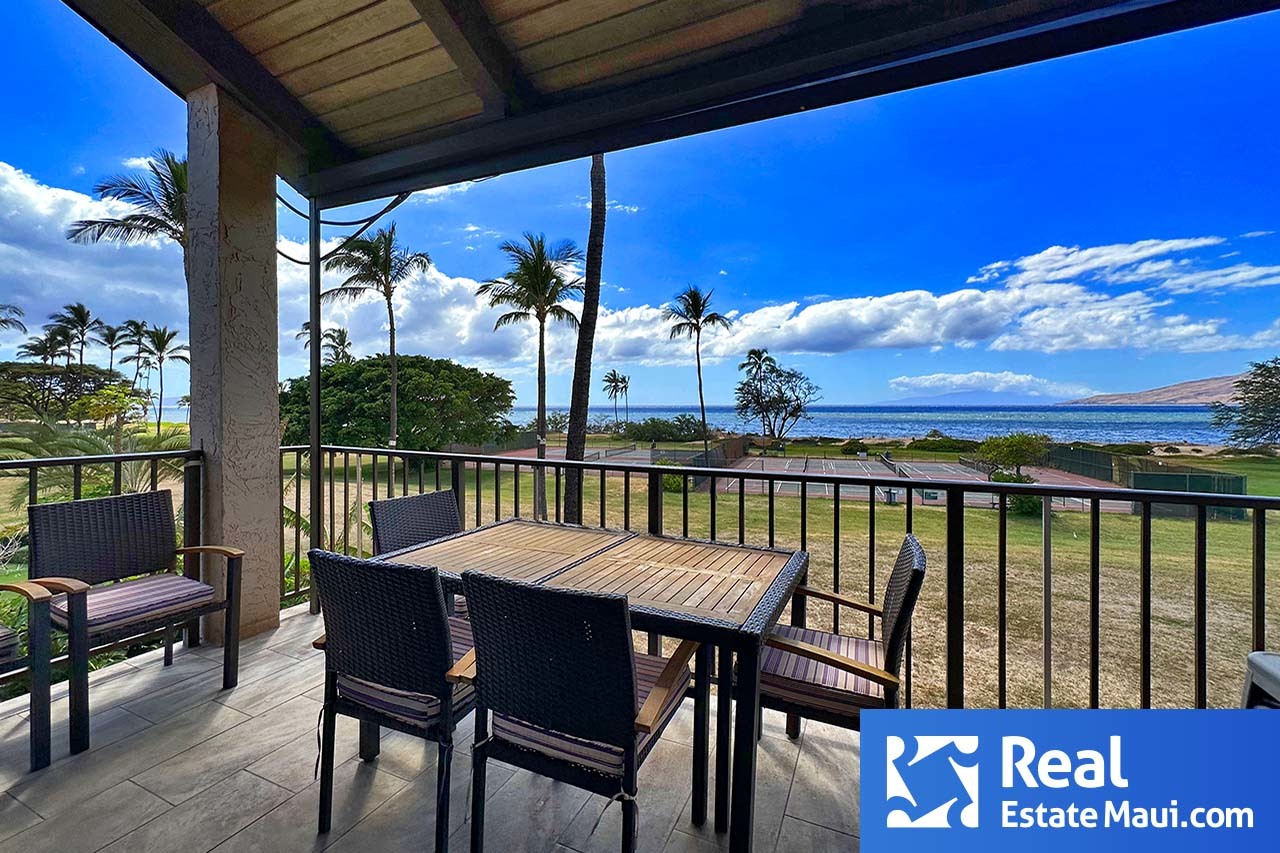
<point>231,289</point>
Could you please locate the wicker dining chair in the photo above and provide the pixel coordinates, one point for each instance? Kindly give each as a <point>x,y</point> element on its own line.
<point>36,661</point>
<point>122,552</point>
<point>831,677</point>
<point>388,644</point>
<point>415,520</point>
<point>569,697</point>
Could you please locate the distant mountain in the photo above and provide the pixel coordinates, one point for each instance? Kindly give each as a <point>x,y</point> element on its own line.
<point>1198,392</point>
<point>973,398</point>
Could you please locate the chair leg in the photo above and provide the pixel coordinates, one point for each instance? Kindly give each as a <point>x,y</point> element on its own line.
<point>724,737</point>
<point>78,678</point>
<point>478,782</point>
<point>327,734</point>
<point>231,633</point>
<point>701,731</point>
<point>38,653</point>
<point>759,722</point>
<point>168,645</point>
<point>444,771</point>
<point>793,726</point>
<point>370,740</point>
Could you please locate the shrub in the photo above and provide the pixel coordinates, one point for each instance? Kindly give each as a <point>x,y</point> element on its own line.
<point>684,427</point>
<point>671,482</point>
<point>943,444</point>
<point>1018,504</point>
<point>853,448</point>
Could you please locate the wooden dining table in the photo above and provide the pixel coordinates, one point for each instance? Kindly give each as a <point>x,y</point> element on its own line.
<point>726,597</point>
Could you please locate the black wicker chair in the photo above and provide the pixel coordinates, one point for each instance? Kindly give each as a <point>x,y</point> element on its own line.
<point>408,521</point>
<point>36,660</point>
<point>125,549</point>
<point>832,678</point>
<point>570,698</point>
<point>388,645</point>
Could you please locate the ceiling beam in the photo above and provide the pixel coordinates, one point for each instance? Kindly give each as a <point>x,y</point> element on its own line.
<point>473,43</point>
<point>185,47</point>
<point>774,80</point>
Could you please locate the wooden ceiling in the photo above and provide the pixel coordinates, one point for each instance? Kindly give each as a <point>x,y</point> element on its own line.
<point>372,97</point>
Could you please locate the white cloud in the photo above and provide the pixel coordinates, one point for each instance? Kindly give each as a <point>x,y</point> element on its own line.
<point>724,272</point>
<point>436,194</point>
<point>77,169</point>
<point>981,380</point>
<point>611,205</point>
<point>1252,234</point>
<point>136,163</point>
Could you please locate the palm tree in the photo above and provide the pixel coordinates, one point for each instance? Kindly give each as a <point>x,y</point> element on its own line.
<point>689,316</point>
<point>626,399</point>
<point>757,363</point>
<point>377,265</point>
<point>158,345</point>
<point>613,382</point>
<point>533,288</point>
<point>337,346</point>
<point>46,348</point>
<point>11,318</point>
<point>113,338</point>
<point>580,393</point>
<point>134,331</point>
<point>159,198</point>
<point>79,324</point>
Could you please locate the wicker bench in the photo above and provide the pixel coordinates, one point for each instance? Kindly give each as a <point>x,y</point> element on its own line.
<point>121,552</point>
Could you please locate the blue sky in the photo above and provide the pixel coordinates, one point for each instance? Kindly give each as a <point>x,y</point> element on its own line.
<point>1077,225</point>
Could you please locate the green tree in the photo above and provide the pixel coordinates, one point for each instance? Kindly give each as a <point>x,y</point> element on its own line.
<point>442,402</point>
<point>689,316</point>
<point>78,324</point>
<point>538,281</point>
<point>47,348</point>
<point>626,399</point>
<point>778,396</point>
<point>613,382</point>
<point>113,338</point>
<point>580,394</point>
<point>1014,450</point>
<point>377,265</point>
<point>757,362</point>
<point>11,318</point>
<point>134,331</point>
<point>159,200</point>
<point>1253,418</point>
<point>158,346</point>
<point>335,343</point>
<point>116,405</point>
<point>46,391</point>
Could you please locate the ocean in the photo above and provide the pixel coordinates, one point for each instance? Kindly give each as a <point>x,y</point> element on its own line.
<point>1096,424</point>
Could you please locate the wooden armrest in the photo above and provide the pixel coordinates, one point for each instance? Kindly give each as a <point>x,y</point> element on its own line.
<point>842,600</point>
<point>67,585</point>
<point>464,671</point>
<point>224,550</point>
<point>28,590</point>
<point>856,667</point>
<point>318,642</point>
<point>674,676</point>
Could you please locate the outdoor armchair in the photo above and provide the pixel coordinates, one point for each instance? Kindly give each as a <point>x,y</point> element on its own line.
<point>570,699</point>
<point>388,644</point>
<point>416,520</point>
<point>831,677</point>
<point>121,552</point>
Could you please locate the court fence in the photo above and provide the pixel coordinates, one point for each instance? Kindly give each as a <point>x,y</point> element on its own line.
<point>1148,473</point>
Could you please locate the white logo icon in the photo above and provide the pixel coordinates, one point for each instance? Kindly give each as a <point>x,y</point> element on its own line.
<point>939,789</point>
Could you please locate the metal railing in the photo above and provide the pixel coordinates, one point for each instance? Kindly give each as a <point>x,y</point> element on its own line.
<point>987,591</point>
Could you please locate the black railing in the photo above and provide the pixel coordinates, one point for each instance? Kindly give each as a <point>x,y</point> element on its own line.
<point>1010,563</point>
<point>42,480</point>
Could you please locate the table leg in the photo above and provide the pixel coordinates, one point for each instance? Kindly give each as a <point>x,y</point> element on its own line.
<point>742,818</point>
<point>701,731</point>
<point>724,723</point>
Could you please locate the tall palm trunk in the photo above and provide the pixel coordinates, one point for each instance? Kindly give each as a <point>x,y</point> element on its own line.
<point>160,399</point>
<point>580,399</point>
<point>391,338</point>
<point>539,473</point>
<point>702,404</point>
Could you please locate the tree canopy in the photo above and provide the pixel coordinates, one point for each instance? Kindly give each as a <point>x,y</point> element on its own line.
<point>34,390</point>
<point>1014,450</point>
<point>776,396</point>
<point>1253,420</point>
<point>440,402</point>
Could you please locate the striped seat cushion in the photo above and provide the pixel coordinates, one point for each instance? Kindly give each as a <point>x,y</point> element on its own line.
<point>802,681</point>
<point>118,604</point>
<point>593,755</point>
<point>8,644</point>
<point>415,709</point>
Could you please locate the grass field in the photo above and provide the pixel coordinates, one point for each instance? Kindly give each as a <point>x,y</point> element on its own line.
<point>1263,472</point>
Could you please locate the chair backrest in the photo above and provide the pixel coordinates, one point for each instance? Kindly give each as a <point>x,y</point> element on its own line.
<point>557,659</point>
<point>384,622</point>
<point>899,601</point>
<point>402,522</point>
<point>103,539</point>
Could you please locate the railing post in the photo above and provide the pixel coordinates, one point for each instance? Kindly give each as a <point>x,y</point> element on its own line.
<point>1046,530</point>
<point>655,503</point>
<point>192,513</point>
<point>955,597</point>
<point>1259,580</point>
<point>458,482</point>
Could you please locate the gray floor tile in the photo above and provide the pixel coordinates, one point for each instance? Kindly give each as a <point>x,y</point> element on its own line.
<point>797,836</point>
<point>529,813</point>
<point>358,789</point>
<point>97,822</point>
<point>681,842</point>
<point>206,821</point>
<point>188,773</point>
<point>826,788</point>
<point>105,728</point>
<point>131,685</point>
<point>291,679</point>
<point>14,817</point>
<point>293,765</point>
<point>162,703</point>
<point>66,783</point>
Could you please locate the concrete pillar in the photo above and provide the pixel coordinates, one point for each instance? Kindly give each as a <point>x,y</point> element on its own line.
<point>231,291</point>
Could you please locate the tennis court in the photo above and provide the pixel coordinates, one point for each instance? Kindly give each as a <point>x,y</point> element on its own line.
<point>869,467</point>
<point>940,471</point>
